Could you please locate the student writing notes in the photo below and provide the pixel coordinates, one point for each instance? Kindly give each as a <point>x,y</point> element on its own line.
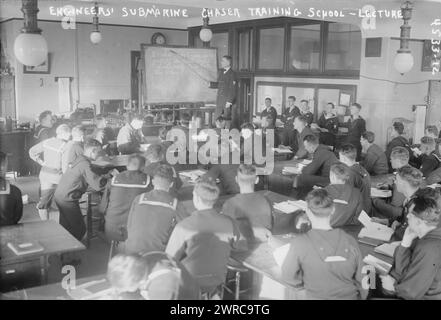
<point>326,261</point>
<point>416,272</point>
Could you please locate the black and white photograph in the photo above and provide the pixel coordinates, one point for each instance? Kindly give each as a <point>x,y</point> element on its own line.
<point>229,154</point>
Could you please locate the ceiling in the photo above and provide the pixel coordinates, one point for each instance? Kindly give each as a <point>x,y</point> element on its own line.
<point>424,12</point>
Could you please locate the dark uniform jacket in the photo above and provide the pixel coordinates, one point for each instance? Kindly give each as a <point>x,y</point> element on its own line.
<point>151,220</point>
<point>117,199</point>
<point>355,129</point>
<point>226,92</point>
<point>429,163</point>
<point>203,243</point>
<point>76,180</point>
<point>348,204</point>
<point>330,124</point>
<point>301,152</point>
<point>375,161</point>
<point>311,262</point>
<point>270,112</point>
<point>359,178</point>
<point>11,204</point>
<point>309,117</point>
<point>289,115</point>
<point>322,160</point>
<point>252,213</point>
<point>73,150</point>
<point>43,133</point>
<point>434,177</point>
<point>417,270</point>
<point>129,139</point>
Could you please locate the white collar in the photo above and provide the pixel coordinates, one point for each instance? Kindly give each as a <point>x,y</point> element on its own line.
<point>226,69</point>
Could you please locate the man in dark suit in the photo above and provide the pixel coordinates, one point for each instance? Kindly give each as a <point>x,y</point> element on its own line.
<point>356,126</point>
<point>317,172</point>
<point>226,92</point>
<point>269,115</point>
<point>288,116</point>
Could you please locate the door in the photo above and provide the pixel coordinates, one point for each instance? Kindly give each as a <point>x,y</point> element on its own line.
<point>135,58</point>
<point>245,99</point>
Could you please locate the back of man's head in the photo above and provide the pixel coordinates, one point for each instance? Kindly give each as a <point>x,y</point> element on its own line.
<point>63,132</point>
<point>154,153</point>
<point>135,162</point>
<point>319,203</point>
<point>348,151</point>
<point>206,191</point>
<point>163,177</point>
<point>246,175</point>
<point>411,175</point>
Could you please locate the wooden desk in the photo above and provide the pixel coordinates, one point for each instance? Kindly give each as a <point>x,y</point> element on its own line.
<point>112,162</point>
<point>55,291</point>
<point>52,236</point>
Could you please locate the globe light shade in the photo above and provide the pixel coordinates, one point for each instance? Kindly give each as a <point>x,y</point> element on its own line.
<point>95,37</point>
<point>403,62</point>
<point>206,34</point>
<point>30,49</point>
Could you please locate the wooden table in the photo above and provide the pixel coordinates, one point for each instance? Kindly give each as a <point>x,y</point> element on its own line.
<point>55,291</point>
<point>49,234</point>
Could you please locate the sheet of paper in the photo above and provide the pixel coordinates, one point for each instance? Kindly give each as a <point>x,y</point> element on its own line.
<point>387,249</point>
<point>381,266</point>
<point>290,206</point>
<point>193,175</point>
<point>376,233</point>
<point>282,151</point>
<point>292,170</point>
<point>280,254</point>
<point>364,218</point>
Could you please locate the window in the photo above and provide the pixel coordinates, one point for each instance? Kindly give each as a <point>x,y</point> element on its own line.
<point>220,41</point>
<point>245,45</point>
<point>343,47</point>
<point>304,51</point>
<point>271,48</point>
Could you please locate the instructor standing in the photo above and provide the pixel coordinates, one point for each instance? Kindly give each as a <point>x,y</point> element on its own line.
<point>226,93</point>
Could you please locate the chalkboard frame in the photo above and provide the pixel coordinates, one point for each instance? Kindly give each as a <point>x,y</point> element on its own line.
<point>144,46</point>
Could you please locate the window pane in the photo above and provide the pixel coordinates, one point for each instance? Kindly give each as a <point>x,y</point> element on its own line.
<point>343,47</point>
<point>271,47</point>
<point>220,41</point>
<point>245,50</point>
<point>304,52</point>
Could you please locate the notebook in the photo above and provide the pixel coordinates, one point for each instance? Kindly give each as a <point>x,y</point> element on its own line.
<point>388,249</point>
<point>290,206</point>
<point>193,175</point>
<point>282,151</point>
<point>292,170</point>
<point>374,230</point>
<point>381,266</point>
<point>24,248</point>
<point>378,193</point>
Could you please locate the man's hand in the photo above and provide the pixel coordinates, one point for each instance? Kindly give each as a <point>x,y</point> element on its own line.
<point>388,283</point>
<point>228,104</point>
<point>395,225</point>
<point>408,237</point>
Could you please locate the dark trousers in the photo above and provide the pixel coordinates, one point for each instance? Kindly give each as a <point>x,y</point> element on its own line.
<point>71,218</point>
<point>46,196</point>
<point>288,136</point>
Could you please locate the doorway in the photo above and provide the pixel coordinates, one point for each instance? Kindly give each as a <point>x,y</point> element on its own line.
<point>245,98</point>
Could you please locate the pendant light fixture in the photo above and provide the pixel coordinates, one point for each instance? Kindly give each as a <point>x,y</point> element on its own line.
<point>403,61</point>
<point>95,35</point>
<point>30,47</point>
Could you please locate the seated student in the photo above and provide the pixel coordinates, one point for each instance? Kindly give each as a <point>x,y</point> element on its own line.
<point>359,177</point>
<point>374,159</point>
<point>11,204</point>
<point>408,182</point>
<point>44,130</point>
<point>431,131</point>
<point>347,200</point>
<point>416,271</point>
<point>305,112</point>
<point>317,172</point>
<point>153,215</point>
<point>220,123</point>
<point>326,261</point>
<point>392,208</point>
<point>102,133</point>
<point>130,136</point>
<point>203,241</point>
<point>398,140</point>
<point>270,114</point>
<point>428,160</point>
<point>250,210</point>
<point>74,147</point>
<point>154,276</point>
<point>73,184</point>
<point>155,156</point>
<point>303,130</point>
<point>118,197</point>
<point>225,175</point>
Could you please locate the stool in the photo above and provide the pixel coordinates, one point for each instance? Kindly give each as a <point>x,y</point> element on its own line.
<point>89,218</point>
<point>237,269</point>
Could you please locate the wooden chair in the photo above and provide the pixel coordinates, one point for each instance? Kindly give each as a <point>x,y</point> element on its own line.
<point>237,269</point>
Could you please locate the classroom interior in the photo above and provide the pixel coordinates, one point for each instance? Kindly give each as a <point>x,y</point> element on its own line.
<point>108,63</point>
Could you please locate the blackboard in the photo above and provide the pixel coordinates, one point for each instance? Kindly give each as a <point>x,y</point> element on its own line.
<point>179,74</point>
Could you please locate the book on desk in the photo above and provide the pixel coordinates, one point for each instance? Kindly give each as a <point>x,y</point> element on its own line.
<point>374,230</point>
<point>25,248</point>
